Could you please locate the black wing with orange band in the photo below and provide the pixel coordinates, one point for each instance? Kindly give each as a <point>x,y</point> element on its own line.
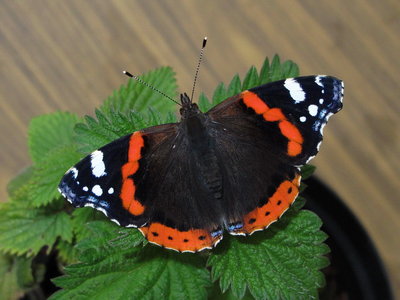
<point>104,179</point>
<point>299,106</point>
<point>266,133</point>
<point>147,180</point>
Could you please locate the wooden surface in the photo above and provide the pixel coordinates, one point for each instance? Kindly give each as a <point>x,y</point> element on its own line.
<point>69,55</point>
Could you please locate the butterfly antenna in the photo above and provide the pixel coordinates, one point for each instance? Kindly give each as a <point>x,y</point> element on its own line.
<point>198,67</point>
<point>149,86</point>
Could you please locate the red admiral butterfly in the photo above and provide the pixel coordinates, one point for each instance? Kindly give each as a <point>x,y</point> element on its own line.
<point>235,167</point>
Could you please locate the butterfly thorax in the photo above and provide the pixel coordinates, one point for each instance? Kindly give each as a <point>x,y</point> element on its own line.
<point>196,127</point>
<point>193,124</point>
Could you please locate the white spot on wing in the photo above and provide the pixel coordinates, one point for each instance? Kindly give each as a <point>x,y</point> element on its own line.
<point>85,188</point>
<point>74,172</point>
<point>97,190</point>
<point>310,158</point>
<point>303,119</point>
<point>295,90</point>
<point>321,129</point>
<point>318,80</point>
<point>342,92</point>
<point>97,208</point>
<point>321,101</point>
<point>236,233</point>
<point>97,163</point>
<point>313,110</point>
<point>115,221</point>
<point>102,210</point>
<point>319,145</point>
<point>110,190</point>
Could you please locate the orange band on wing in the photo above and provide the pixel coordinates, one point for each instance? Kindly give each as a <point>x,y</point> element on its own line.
<point>273,115</point>
<point>136,144</point>
<point>128,189</point>
<point>128,198</point>
<point>192,240</point>
<point>294,148</point>
<point>276,205</point>
<point>288,129</point>
<point>129,168</point>
<point>251,100</point>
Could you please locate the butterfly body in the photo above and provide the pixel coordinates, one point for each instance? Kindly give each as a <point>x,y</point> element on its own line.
<point>234,168</point>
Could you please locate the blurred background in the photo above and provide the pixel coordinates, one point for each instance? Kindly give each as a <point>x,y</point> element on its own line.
<point>69,55</point>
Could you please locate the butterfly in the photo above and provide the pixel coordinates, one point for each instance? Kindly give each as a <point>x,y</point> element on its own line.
<point>235,168</point>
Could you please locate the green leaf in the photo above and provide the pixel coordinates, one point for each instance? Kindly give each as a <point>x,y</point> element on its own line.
<point>217,294</point>
<point>80,218</point>
<point>275,70</point>
<point>98,132</point>
<point>15,276</point>
<point>67,253</point>
<point>47,175</point>
<point>19,275</point>
<point>283,262</point>
<point>25,231</point>
<point>298,204</point>
<point>48,132</point>
<point>265,72</point>
<point>307,171</point>
<point>219,93</point>
<point>18,181</point>
<point>290,69</point>
<point>20,187</point>
<point>53,151</point>
<point>113,266</point>
<point>251,79</point>
<point>268,73</point>
<point>138,97</point>
<point>235,87</point>
<point>204,103</point>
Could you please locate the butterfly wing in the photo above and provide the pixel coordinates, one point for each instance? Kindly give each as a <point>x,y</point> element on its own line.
<point>265,134</point>
<point>102,180</point>
<point>147,180</point>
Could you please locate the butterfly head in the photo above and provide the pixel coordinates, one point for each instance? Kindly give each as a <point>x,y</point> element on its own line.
<point>188,108</point>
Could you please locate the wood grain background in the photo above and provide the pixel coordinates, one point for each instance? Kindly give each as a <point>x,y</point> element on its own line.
<point>69,55</point>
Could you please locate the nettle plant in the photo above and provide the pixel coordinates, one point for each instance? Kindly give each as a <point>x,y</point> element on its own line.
<point>104,261</point>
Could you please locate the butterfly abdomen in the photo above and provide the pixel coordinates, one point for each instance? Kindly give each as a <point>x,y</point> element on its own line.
<point>204,159</point>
